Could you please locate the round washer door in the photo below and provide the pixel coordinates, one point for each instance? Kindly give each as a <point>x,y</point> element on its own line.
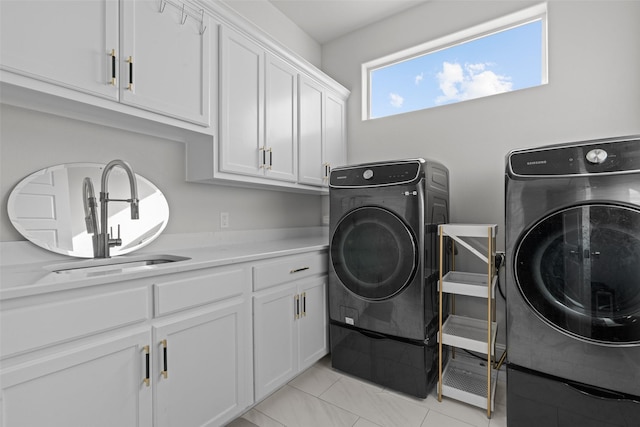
<point>374,253</point>
<point>579,269</point>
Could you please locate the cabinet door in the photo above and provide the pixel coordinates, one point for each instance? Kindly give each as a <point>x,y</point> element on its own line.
<point>281,127</point>
<point>242,104</point>
<point>311,119</point>
<point>335,131</point>
<point>165,61</point>
<point>312,326</point>
<point>67,43</point>
<point>275,345</point>
<point>99,384</point>
<point>207,361</point>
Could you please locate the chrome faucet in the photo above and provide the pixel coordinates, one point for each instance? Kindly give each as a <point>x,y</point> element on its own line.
<point>104,241</point>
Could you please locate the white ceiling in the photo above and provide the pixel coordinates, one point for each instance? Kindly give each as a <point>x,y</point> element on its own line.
<point>325,20</point>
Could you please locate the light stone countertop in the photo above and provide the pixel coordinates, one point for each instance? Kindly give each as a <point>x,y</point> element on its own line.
<point>33,278</point>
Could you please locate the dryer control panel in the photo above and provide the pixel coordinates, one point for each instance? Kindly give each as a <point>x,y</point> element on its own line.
<point>377,174</point>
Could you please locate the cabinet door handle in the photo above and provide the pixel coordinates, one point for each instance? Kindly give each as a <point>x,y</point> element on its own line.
<point>298,270</point>
<point>165,371</point>
<point>297,306</point>
<point>304,304</point>
<point>130,61</point>
<point>270,158</point>
<point>264,158</point>
<point>147,375</point>
<point>113,67</point>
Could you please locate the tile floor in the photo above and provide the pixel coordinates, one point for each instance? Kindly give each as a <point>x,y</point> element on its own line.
<point>323,397</point>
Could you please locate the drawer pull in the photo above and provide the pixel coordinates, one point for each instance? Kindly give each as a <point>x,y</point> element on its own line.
<point>165,371</point>
<point>147,380</point>
<point>298,270</point>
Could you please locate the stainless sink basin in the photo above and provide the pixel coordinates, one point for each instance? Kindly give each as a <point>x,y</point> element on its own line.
<point>99,267</point>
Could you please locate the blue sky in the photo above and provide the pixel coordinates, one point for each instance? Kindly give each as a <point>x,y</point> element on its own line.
<point>502,62</point>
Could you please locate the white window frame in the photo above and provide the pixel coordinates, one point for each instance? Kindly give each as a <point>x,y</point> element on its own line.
<point>525,16</point>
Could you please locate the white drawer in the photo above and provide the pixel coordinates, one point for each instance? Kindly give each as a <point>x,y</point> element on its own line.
<point>286,269</point>
<point>181,291</point>
<point>40,325</point>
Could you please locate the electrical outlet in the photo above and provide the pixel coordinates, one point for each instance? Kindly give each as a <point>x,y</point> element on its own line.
<point>224,219</point>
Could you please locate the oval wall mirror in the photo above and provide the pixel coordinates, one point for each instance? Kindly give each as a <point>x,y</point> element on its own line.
<point>47,209</point>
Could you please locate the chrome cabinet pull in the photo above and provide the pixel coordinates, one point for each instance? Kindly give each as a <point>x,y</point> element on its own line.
<point>298,270</point>
<point>296,298</point>
<point>165,371</point>
<point>147,378</point>
<point>270,158</point>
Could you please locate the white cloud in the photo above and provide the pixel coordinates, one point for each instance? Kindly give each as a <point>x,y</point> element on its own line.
<point>472,81</point>
<point>396,100</point>
<point>419,78</point>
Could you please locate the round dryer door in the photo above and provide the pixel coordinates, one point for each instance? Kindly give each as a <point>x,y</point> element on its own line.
<point>579,269</point>
<point>374,253</point>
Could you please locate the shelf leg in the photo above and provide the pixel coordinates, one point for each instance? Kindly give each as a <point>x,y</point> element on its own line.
<point>440,318</point>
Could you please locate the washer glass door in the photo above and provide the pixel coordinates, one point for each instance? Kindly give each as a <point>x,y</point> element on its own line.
<point>579,269</point>
<point>374,253</point>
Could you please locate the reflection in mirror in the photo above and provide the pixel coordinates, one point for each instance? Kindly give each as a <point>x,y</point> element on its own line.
<point>47,208</point>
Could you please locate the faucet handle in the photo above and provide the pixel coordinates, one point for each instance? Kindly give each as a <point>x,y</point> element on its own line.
<point>117,241</point>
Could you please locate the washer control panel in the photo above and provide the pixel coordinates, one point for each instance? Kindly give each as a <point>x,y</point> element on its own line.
<point>613,156</point>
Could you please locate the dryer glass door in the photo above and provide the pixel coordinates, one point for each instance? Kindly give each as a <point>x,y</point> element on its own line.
<point>374,253</point>
<point>579,269</point>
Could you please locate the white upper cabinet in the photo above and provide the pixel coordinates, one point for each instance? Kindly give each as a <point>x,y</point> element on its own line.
<point>322,132</point>
<point>68,43</point>
<point>335,137</point>
<point>164,62</point>
<point>258,110</point>
<point>311,105</point>
<point>127,51</point>
<point>241,103</point>
<point>281,124</point>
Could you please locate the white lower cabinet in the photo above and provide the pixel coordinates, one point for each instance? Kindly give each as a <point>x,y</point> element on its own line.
<point>290,331</point>
<point>200,366</point>
<point>98,384</point>
<point>97,356</point>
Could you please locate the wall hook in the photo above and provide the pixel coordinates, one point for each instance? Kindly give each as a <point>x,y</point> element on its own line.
<point>184,16</point>
<point>203,28</point>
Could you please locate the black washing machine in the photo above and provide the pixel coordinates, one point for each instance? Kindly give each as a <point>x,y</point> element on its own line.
<point>383,271</point>
<point>573,284</point>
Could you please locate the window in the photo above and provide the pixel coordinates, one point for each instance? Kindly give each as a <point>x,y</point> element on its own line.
<point>500,56</point>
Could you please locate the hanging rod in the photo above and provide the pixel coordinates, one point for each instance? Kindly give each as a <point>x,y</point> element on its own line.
<point>186,11</point>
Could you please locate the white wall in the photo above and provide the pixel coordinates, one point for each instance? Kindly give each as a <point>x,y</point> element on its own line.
<point>30,141</point>
<point>593,91</point>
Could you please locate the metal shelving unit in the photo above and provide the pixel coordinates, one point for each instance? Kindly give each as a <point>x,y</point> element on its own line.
<point>460,379</point>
